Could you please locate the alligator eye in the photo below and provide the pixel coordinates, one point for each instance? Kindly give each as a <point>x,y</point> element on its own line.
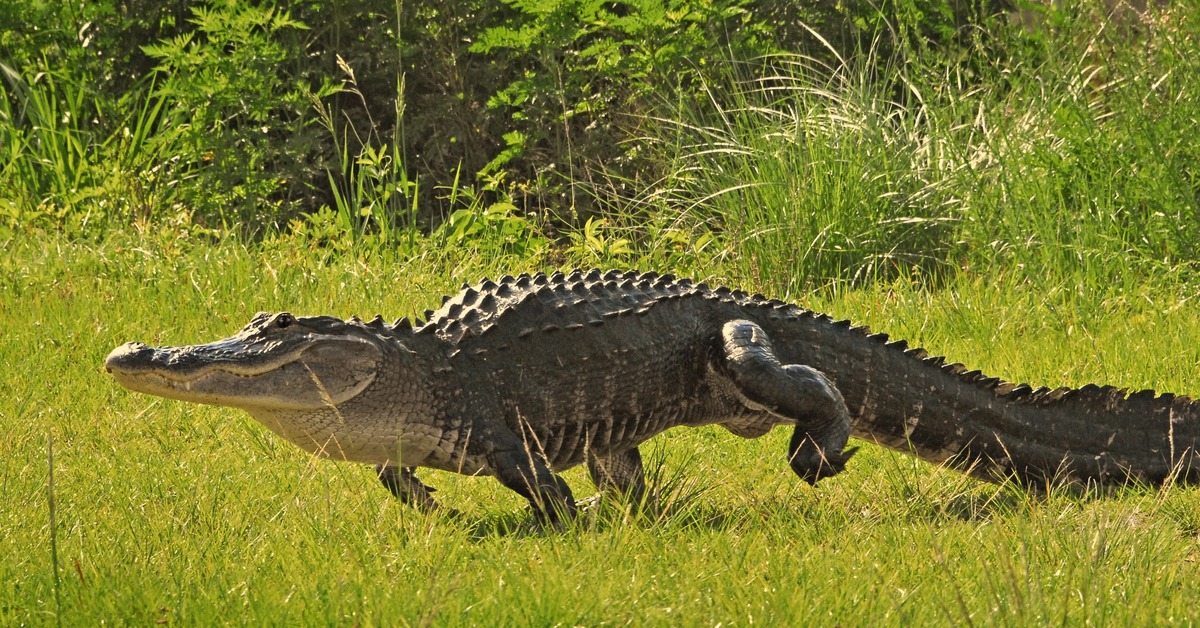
<point>284,321</point>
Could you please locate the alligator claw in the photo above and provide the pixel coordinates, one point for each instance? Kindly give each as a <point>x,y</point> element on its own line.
<point>829,466</point>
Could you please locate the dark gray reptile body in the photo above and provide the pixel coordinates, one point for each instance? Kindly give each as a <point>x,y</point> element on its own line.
<point>533,374</point>
<point>592,364</point>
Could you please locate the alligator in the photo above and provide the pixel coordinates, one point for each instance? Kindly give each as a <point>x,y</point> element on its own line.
<point>526,376</point>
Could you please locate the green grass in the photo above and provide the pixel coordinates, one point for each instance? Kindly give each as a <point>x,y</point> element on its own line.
<point>1030,211</point>
<point>196,515</point>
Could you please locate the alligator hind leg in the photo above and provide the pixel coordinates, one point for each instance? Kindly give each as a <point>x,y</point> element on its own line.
<point>403,483</point>
<point>525,471</point>
<point>619,472</point>
<point>791,391</point>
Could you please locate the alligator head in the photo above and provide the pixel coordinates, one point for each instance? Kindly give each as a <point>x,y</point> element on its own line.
<point>276,362</point>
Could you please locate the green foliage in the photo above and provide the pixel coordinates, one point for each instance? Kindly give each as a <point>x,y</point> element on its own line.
<point>371,190</point>
<point>497,230</point>
<point>594,248</point>
<point>416,88</point>
<point>813,180</point>
<point>239,123</point>
<point>635,133</point>
<point>582,66</point>
<point>44,33</point>
<point>69,166</point>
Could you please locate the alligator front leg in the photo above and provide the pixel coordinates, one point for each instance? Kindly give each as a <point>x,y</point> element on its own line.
<point>403,483</point>
<point>794,392</point>
<point>619,472</point>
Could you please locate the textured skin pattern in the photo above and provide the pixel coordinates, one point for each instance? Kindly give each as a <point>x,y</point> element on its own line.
<point>587,366</point>
<point>526,376</point>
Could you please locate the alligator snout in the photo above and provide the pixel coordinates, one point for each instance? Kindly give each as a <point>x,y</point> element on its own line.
<point>129,356</point>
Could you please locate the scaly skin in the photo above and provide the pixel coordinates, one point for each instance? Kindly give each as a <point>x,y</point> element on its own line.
<point>528,376</point>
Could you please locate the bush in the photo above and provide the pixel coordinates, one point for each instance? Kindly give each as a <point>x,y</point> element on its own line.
<point>238,121</point>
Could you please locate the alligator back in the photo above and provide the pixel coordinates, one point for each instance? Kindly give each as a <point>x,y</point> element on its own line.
<point>591,361</point>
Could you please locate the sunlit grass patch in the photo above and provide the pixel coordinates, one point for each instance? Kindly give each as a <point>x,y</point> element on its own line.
<point>194,514</point>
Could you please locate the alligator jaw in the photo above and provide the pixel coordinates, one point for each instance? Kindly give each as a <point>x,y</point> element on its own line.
<point>182,364</point>
<point>221,374</point>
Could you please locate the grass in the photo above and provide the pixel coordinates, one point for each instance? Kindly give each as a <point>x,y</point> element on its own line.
<point>1031,212</point>
<point>188,514</point>
<point>1057,155</point>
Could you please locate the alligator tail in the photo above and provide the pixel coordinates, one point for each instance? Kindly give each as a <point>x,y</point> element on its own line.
<point>905,400</point>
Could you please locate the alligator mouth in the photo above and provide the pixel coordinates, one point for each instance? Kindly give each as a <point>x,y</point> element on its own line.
<point>196,387</point>
<point>226,374</point>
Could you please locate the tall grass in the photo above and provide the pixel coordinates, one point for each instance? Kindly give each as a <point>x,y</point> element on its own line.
<point>1065,160</point>
<point>70,162</point>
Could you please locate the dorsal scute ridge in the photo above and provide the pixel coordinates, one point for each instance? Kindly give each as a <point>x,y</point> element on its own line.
<point>1021,393</point>
<point>1087,394</point>
<point>375,325</point>
<point>566,300</point>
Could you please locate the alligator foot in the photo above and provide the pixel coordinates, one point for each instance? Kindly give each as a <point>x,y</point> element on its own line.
<point>793,392</point>
<point>590,503</point>
<point>403,483</point>
<point>620,472</point>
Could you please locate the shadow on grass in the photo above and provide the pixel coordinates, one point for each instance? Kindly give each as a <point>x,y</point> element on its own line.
<point>674,499</point>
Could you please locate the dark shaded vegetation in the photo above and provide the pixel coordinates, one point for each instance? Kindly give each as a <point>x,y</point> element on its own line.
<point>250,115</point>
<point>829,142</point>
